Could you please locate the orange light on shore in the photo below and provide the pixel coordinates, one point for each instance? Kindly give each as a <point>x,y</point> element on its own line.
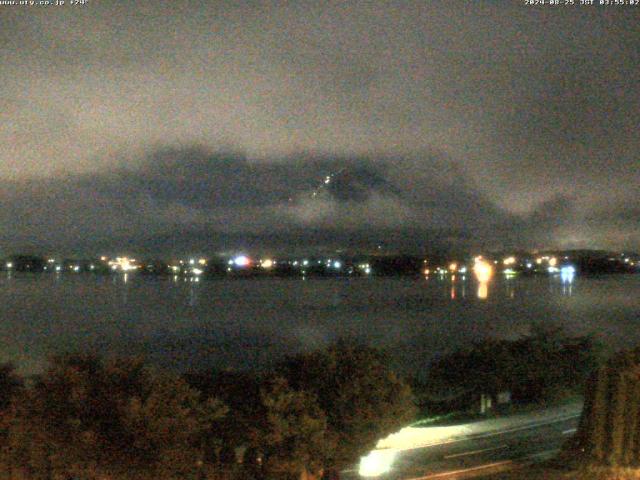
<point>483,271</point>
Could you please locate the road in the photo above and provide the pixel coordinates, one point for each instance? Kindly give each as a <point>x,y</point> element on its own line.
<point>471,450</point>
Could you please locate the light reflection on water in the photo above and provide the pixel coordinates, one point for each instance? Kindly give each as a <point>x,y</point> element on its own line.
<point>185,323</point>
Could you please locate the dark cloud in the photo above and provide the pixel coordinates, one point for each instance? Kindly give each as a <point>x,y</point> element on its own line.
<point>118,110</point>
<point>194,199</point>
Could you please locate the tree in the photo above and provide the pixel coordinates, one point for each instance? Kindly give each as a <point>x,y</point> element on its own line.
<point>85,415</point>
<point>11,387</point>
<point>240,392</point>
<point>609,429</point>
<point>10,384</point>
<point>293,433</point>
<point>363,399</point>
<point>535,368</point>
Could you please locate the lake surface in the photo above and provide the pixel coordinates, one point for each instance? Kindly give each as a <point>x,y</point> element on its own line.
<point>248,323</point>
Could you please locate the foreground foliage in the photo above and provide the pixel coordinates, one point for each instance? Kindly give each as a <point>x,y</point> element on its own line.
<point>87,417</point>
<point>540,367</point>
<point>363,398</point>
<point>91,418</point>
<point>609,430</point>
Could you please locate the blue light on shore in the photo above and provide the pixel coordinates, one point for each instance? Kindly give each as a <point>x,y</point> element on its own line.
<point>567,273</point>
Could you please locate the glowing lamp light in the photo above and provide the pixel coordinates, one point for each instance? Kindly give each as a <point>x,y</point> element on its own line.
<point>337,265</point>
<point>509,260</point>
<point>553,261</point>
<point>241,261</point>
<point>377,463</point>
<point>268,263</point>
<point>483,271</point>
<point>197,271</point>
<point>9,265</point>
<point>453,267</point>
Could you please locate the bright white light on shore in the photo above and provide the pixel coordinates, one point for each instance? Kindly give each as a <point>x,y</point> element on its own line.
<point>377,463</point>
<point>483,271</point>
<point>267,263</point>
<point>337,265</point>
<point>9,265</point>
<point>241,261</point>
<point>197,271</point>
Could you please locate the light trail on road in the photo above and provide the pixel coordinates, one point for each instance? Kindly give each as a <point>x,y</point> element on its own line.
<point>436,452</point>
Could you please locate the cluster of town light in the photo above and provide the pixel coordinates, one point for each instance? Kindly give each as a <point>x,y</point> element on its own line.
<point>482,268</point>
<point>123,264</point>
<point>192,266</point>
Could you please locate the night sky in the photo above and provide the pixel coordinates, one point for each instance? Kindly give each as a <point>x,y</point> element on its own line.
<point>190,126</point>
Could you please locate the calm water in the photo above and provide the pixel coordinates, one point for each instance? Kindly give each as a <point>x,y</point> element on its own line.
<point>250,323</point>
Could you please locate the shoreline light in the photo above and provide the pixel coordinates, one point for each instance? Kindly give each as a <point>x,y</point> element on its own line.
<point>241,261</point>
<point>483,271</point>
